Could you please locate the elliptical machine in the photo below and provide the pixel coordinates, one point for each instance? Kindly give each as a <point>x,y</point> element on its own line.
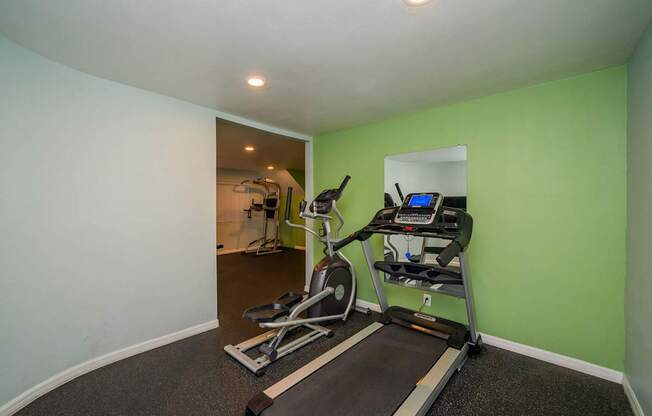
<point>331,295</point>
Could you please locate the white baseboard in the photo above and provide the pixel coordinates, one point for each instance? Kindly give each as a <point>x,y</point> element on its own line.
<point>302,248</point>
<point>631,396</point>
<point>222,252</point>
<point>71,373</point>
<point>539,354</point>
<point>364,304</point>
<point>554,358</point>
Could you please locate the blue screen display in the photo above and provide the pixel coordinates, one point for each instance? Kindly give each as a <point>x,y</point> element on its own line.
<point>420,201</point>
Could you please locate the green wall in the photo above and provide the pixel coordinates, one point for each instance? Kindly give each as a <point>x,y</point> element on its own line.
<point>299,175</point>
<point>546,184</point>
<point>638,342</point>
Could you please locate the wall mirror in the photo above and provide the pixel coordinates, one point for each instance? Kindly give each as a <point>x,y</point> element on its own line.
<point>439,170</point>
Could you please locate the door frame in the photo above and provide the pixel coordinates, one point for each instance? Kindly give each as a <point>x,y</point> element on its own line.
<point>309,182</point>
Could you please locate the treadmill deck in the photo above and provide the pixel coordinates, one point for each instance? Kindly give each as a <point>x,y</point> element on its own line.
<point>373,377</point>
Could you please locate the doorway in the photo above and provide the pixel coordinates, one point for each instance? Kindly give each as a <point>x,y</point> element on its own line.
<point>261,257</point>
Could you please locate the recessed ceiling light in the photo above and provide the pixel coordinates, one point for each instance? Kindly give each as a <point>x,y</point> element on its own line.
<point>416,2</point>
<point>256,82</point>
<point>249,148</point>
<point>270,167</point>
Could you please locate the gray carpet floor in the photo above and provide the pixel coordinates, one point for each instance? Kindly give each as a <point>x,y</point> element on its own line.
<point>195,377</point>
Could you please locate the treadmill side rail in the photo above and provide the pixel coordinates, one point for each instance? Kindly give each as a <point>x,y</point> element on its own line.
<point>294,378</point>
<point>428,388</point>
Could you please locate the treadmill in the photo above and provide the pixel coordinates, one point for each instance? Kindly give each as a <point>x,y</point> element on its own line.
<point>399,364</point>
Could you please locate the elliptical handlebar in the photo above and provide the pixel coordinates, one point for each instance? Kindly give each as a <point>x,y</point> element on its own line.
<point>288,204</point>
<point>302,207</point>
<point>345,182</point>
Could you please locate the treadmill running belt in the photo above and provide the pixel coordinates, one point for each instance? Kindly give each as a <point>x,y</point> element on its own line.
<point>371,378</point>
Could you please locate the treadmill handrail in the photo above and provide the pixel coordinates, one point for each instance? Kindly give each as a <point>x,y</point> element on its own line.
<point>459,240</point>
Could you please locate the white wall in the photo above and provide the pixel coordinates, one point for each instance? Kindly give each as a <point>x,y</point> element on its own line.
<point>237,233</point>
<point>107,200</point>
<point>447,178</point>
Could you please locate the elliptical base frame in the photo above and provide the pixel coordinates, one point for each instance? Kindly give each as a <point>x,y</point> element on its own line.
<point>261,249</point>
<point>259,364</point>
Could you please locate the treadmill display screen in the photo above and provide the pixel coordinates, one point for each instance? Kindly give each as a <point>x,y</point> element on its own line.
<point>420,201</point>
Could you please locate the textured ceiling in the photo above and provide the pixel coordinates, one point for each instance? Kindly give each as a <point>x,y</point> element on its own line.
<point>330,64</point>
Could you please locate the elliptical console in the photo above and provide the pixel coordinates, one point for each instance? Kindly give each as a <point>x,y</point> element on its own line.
<point>323,204</point>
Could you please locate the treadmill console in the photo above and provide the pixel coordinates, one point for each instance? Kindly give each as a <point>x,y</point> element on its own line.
<point>419,209</point>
